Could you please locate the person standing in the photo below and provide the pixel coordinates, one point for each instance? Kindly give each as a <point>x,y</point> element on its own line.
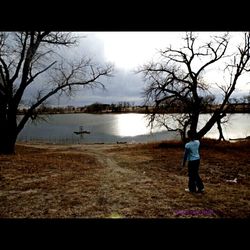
<point>192,155</point>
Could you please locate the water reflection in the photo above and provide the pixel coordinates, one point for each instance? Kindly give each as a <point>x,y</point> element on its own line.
<point>238,126</point>
<point>131,125</point>
<point>115,127</point>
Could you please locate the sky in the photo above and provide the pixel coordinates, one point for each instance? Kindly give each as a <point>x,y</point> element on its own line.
<point>127,51</point>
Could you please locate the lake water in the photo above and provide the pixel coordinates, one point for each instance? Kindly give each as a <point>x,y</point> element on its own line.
<point>112,128</point>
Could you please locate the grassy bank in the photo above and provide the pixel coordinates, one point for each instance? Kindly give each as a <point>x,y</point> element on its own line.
<point>123,181</point>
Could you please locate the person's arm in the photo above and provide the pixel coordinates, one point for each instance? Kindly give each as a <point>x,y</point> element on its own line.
<point>185,157</point>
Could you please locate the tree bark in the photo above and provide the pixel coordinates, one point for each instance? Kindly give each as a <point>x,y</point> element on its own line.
<point>8,129</point>
<point>221,136</point>
<point>8,137</point>
<point>194,122</point>
<point>7,143</point>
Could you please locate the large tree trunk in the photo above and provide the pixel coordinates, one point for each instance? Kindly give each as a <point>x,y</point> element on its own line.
<point>7,142</point>
<point>195,118</point>
<point>8,132</point>
<point>194,122</point>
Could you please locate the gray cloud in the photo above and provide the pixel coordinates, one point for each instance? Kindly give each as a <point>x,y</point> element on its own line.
<point>123,86</point>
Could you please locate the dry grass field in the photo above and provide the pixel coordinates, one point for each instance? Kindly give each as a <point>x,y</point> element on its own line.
<point>123,181</point>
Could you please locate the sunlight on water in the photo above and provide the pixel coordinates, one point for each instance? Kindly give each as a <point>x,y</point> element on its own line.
<point>110,128</point>
<point>134,125</point>
<point>131,125</point>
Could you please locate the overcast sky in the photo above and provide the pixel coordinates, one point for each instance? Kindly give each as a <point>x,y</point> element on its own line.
<point>127,51</point>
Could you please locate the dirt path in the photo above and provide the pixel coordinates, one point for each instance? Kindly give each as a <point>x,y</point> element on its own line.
<point>117,183</point>
<point>115,191</point>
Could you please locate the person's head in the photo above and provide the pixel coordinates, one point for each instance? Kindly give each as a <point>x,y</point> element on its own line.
<point>191,135</point>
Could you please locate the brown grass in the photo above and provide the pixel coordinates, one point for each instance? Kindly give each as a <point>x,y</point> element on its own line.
<point>123,181</point>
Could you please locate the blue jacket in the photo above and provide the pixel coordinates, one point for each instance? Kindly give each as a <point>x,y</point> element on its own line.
<point>192,149</point>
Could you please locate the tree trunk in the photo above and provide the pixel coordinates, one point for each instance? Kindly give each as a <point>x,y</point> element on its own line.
<point>194,121</point>
<point>8,132</point>
<point>221,136</point>
<point>184,132</point>
<point>7,142</point>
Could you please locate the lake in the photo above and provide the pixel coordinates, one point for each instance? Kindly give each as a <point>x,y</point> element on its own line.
<point>112,128</point>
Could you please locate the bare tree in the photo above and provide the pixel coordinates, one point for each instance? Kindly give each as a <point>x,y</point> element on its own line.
<point>24,57</point>
<point>179,78</point>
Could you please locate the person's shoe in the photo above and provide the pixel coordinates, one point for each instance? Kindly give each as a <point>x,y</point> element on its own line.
<point>189,191</point>
<point>201,191</point>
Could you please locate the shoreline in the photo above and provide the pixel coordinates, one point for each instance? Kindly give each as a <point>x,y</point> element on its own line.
<point>231,141</point>
<point>126,112</point>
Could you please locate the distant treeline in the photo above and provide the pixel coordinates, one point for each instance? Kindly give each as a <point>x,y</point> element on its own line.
<point>126,107</point>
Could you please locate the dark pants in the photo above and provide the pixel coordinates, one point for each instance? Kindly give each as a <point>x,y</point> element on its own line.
<point>194,178</point>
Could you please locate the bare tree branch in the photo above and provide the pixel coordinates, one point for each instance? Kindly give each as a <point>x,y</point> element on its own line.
<point>32,77</point>
<point>174,80</point>
<point>67,81</point>
<point>24,56</point>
